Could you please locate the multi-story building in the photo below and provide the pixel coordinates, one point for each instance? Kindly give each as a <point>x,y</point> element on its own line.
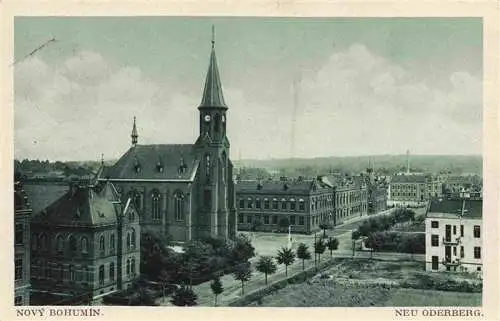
<point>84,246</point>
<point>453,229</point>
<point>434,187</point>
<point>408,190</point>
<point>22,214</point>
<point>350,196</point>
<point>185,191</point>
<point>377,192</point>
<point>273,205</point>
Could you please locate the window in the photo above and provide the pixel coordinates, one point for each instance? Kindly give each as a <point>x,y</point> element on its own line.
<point>112,243</point>
<point>101,275</point>
<point>249,219</point>
<point>71,273</point>
<point>128,266</point>
<point>155,205</point>
<point>132,266</point>
<point>293,205</point>
<point>85,245</point>
<point>301,220</point>
<point>292,220</point>
<point>478,269</point>
<point>266,219</point>
<point>434,240</point>
<point>59,244</point>
<point>302,206</point>
<point>240,218</point>
<point>249,203</point>
<point>207,198</point>
<point>257,203</point>
<point>455,250</point>
<point>275,219</point>
<point>461,230</point>
<point>132,238</point>
<point>72,244</point>
<point>179,206</point>
<point>242,203</point>
<point>207,167</point>
<point>19,269</point>
<point>275,204</point>
<point>435,224</point>
<point>454,229</point>
<point>462,253</point>
<point>128,241</point>
<point>477,252</point>
<point>112,271</point>
<point>101,245</point>
<point>283,204</point>
<point>477,231</point>
<point>266,204</point>
<point>19,234</point>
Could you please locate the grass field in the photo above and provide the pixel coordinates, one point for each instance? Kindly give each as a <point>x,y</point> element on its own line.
<point>413,297</point>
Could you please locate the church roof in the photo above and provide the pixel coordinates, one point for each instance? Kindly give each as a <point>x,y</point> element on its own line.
<point>83,205</point>
<point>155,162</point>
<point>212,93</point>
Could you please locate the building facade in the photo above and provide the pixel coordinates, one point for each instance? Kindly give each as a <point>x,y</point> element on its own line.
<point>453,229</point>
<point>408,190</point>
<point>84,246</point>
<point>377,192</point>
<point>271,205</point>
<point>186,191</point>
<point>350,198</point>
<point>22,215</point>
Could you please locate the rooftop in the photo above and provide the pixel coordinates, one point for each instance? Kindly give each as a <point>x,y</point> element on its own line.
<point>453,208</point>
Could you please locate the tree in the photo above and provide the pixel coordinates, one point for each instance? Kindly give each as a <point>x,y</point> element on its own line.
<point>303,254</point>
<point>319,248</point>
<point>243,249</point>
<point>243,273</point>
<point>286,257</point>
<point>374,241</point>
<point>354,236</point>
<point>284,223</point>
<point>324,226</point>
<point>266,265</point>
<point>332,245</point>
<point>184,296</point>
<point>216,287</point>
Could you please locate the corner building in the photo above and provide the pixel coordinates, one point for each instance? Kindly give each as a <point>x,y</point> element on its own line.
<point>185,191</point>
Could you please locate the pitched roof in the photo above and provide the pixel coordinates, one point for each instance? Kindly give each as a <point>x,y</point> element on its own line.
<point>88,205</point>
<point>42,194</point>
<point>212,93</point>
<point>154,162</point>
<point>453,208</point>
<point>289,187</point>
<point>408,179</point>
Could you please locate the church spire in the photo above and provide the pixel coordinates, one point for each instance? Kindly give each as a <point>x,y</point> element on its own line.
<point>212,93</point>
<point>134,134</point>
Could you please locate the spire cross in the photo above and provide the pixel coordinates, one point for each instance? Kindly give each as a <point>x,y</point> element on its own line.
<point>213,36</point>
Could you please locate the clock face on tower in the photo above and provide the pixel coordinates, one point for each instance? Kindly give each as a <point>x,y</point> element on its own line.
<point>207,118</point>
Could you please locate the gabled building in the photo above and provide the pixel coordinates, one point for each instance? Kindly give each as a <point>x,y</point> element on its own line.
<point>453,229</point>
<point>22,215</point>
<point>84,246</point>
<point>186,191</point>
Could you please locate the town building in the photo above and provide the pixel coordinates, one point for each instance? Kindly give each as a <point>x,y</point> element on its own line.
<point>434,187</point>
<point>22,215</point>
<point>273,205</point>
<point>84,246</point>
<point>453,229</point>
<point>408,190</point>
<point>350,197</point>
<point>185,191</point>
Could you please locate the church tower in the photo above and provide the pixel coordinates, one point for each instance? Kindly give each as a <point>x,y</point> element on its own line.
<point>213,151</point>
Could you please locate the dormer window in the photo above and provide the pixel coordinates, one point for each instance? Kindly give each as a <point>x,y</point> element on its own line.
<point>182,166</point>
<point>159,167</point>
<point>137,166</point>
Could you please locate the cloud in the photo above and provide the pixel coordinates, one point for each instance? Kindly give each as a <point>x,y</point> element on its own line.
<point>355,103</point>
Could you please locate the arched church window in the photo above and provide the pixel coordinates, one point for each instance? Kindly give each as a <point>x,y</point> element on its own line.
<point>59,244</point>
<point>72,244</point>
<point>216,123</point>
<point>223,167</point>
<point>155,205</point>
<point>85,245</point>
<point>179,206</point>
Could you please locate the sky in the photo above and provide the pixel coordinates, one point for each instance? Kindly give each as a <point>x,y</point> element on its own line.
<point>295,87</point>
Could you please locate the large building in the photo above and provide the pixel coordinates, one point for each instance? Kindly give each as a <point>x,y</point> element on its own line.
<point>350,197</point>
<point>84,246</point>
<point>377,192</point>
<point>186,191</point>
<point>453,229</point>
<point>272,205</point>
<point>22,215</point>
<point>408,190</point>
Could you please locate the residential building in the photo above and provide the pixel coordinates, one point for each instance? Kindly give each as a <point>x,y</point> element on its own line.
<point>350,196</point>
<point>273,205</point>
<point>22,215</point>
<point>453,229</point>
<point>185,191</point>
<point>408,190</point>
<point>84,246</point>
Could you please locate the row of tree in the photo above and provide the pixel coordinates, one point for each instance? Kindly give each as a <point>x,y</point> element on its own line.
<point>413,243</point>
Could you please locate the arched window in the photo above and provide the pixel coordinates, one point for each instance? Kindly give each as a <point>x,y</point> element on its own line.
<point>207,167</point>
<point>85,245</point>
<point>101,275</point>
<point>217,122</point>
<point>132,266</point>
<point>112,243</point>
<point>223,167</point>
<point>112,271</point>
<point>71,273</point>
<point>155,205</point>
<point>102,245</point>
<point>128,240</point>
<point>136,198</point>
<point>179,206</point>
<point>59,244</point>
<point>132,238</point>
<point>128,267</point>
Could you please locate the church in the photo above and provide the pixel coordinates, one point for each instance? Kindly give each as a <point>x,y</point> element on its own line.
<point>185,191</point>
